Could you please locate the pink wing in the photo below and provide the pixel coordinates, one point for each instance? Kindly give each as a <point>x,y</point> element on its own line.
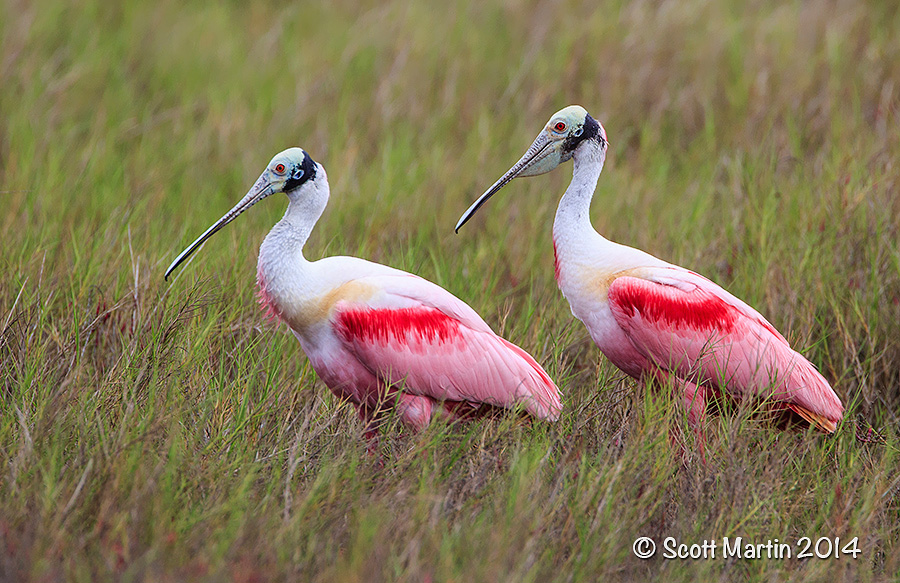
<point>417,334</point>
<point>685,323</point>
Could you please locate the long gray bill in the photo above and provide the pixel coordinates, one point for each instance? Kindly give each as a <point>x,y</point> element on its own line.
<point>260,190</point>
<point>537,152</point>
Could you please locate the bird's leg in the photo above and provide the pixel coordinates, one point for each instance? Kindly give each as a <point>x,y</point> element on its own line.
<point>369,416</point>
<point>415,411</point>
<point>695,402</point>
<point>694,399</point>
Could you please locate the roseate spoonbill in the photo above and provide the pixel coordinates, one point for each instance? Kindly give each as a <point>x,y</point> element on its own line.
<point>652,318</point>
<point>378,336</point>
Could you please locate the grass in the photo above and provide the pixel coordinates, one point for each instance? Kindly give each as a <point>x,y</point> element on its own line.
<point>167,431</point>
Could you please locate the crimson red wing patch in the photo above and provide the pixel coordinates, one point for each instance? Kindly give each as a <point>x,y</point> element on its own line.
<point>672,306</point>
<point>402,325</point>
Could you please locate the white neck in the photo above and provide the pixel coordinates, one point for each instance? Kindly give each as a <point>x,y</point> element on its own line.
<point>572,227</point>
<point>574,237</point>
<point>284,243</point>
<point>305,207</point>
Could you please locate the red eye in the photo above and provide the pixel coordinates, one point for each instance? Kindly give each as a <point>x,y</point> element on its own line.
<point>279,168</point>
<point>560,126</point>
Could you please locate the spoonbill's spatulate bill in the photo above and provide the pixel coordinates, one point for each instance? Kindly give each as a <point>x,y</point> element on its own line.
<point>377,336</point>
<point>652,318</point>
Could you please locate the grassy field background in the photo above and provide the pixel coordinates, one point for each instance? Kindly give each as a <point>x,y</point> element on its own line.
<point>168,431</point>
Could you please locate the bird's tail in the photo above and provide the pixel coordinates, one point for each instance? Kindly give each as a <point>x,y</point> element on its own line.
<point>820,421</point>
<point>812,397</point>
<point>544,401</point>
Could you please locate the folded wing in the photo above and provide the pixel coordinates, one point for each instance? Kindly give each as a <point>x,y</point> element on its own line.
<point>688,325</point>
<point>416,334</point>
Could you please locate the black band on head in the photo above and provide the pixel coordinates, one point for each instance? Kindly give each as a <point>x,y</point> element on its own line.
<point>590,130</point>
<point>299,175</point>
<point>309,166</point>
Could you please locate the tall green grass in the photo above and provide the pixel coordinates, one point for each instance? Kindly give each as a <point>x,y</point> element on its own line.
<point>168,431</point>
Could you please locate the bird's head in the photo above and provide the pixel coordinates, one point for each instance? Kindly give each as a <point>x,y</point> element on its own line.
<point>568,130</point>
<point>291,172</point>
<point>287,172</point>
